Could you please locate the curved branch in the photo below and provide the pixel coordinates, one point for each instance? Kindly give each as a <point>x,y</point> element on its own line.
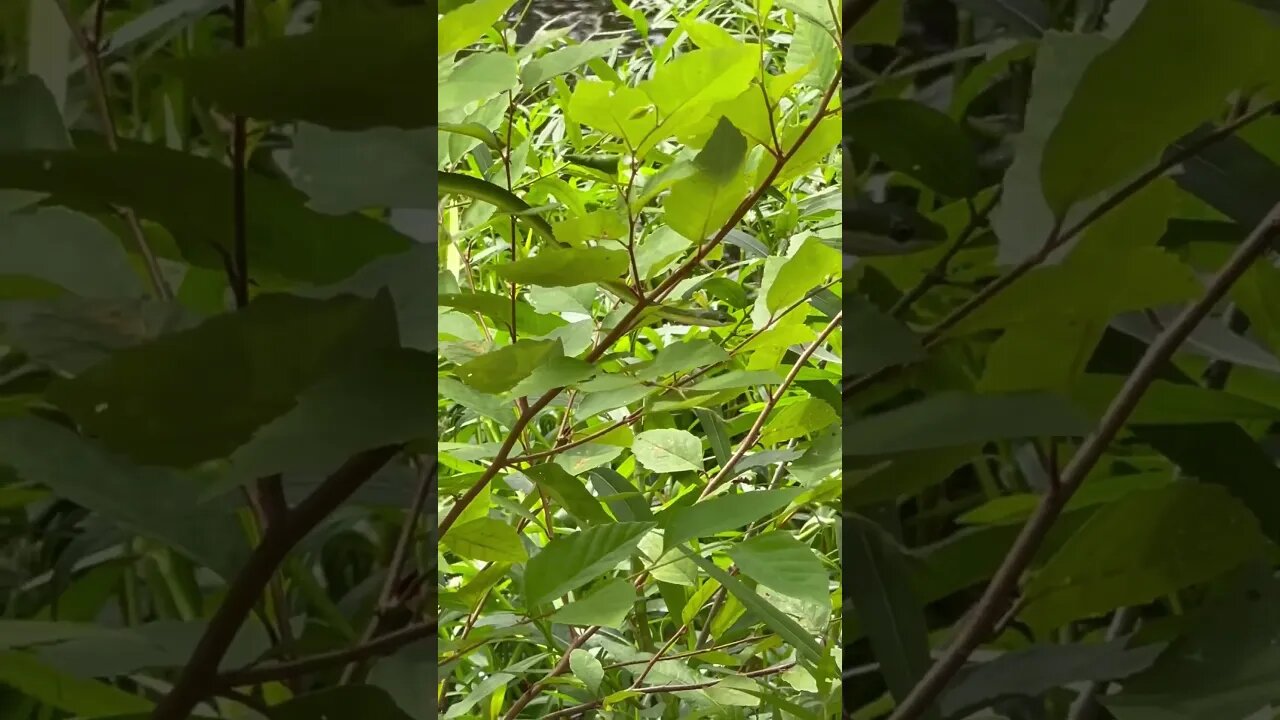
<point>377,647</point>
<point>198,675</point>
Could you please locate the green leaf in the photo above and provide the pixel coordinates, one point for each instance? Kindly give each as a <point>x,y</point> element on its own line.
<point>29,117</point>
<point>154,502</point>
<point>1226,666</point>
<point>187,195</point>
<point>776,559</point>
<point>666,451</point>
<point>586,667</point>
<point>624,500</point>
<point>882,342</point>
<point>486,539</point>
<point>1146,545</point>
<point>789,630</point>
<point>1037,670</point>
<point>566,267</point>
<point>1175,86</point>
<point>498,307</point>
<point>1015,508</point>
<point>383,399</point>
<point>72,333</point>
<point>884,478</point>
<point>738,379</point>
<point>364,701</point>
<point>501,369</point>
<point>1219,453</point>
<point>879,585</point>
<point>67,249</point>
<point>1231,176</point>
<point>350,75</point>
<point>606,605</point>
<point>1130,279</point>
<point>722,156</point>
<point>401,275</point>
<point>561,61</point>
<point>201,393</point>
<point>952,418</point>
<point>346,172</point>
<point>1023,220</point>
<point>685,89</point>
<point>699,205</point>
<point>467,24</point>
<point>682,356</point>
<point>569,561</point>
<point>918,141</point>
<point>797,419</point>
<point>86,698</point>
<point>569,492</point>
<point>1168,403</point>
<point>813,263</point>
<point>477,77</point>
<point>721,513</point>
<point>160,644</point>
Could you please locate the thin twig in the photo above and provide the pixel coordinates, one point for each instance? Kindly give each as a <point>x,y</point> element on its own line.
<point>398,557</point>
<point>938,272</point>
<point>528,695</point>
<point>652,689</point>
<point>754,433</point>
<point>98,86</point>
<point>987,610</point>
<point>195,682</point>
<point>377,647</point>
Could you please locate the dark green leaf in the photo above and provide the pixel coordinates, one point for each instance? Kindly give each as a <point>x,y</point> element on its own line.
<point>199,394</point>
<point>350,75</point>
<point>953,418</point>
<point>569,561</point>
<point>187,195</point>
<point>918,141</point>
<point>880,588</point>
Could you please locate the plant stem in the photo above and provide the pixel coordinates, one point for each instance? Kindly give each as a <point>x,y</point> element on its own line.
<point>196,681</point>
<point>426,477</point>
<point>98,87</point>
<point>753,434</point>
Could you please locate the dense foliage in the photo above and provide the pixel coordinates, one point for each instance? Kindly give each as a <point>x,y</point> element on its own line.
<point>1061,494</point>
<point>217,383</point>
<point>640,352</point>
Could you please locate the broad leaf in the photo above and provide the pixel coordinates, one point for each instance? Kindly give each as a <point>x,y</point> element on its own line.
<point>880,589</point>
<point>606,605</point>
<point>721,513</point>
<point>1226,46</point>
<point>350,75</point>
<point>187,195</point>
<point>665,451</point>
<point>1148,544</point>
<point>199,394</point>
<point>569,561</point>
<point>566,267</point>
<point>918,141</point>
<point>485,539</point>
<point>951,419</point>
